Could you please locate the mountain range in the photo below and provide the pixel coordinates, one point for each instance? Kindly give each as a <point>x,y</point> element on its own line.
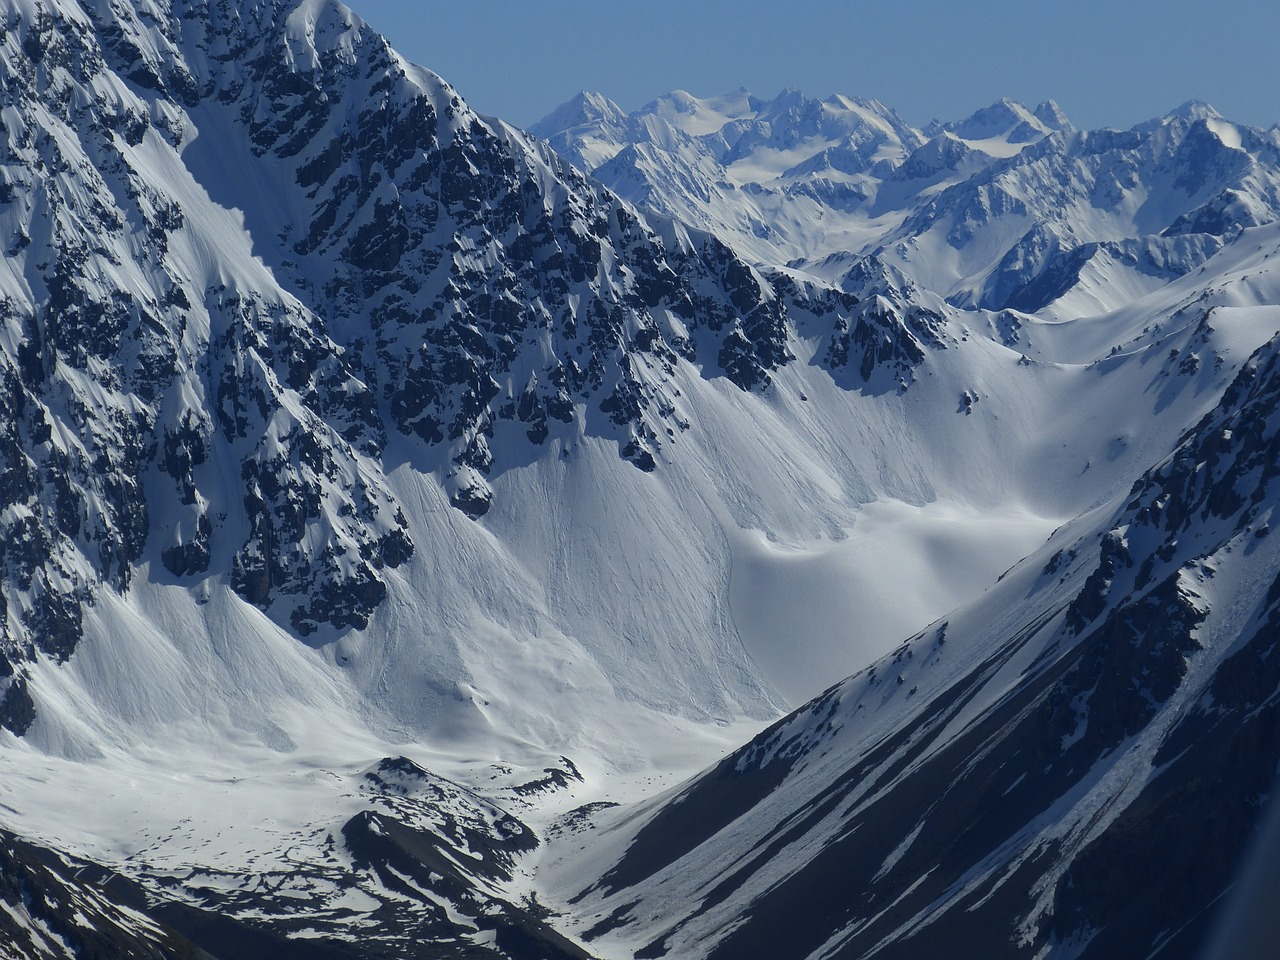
<point>733,528</point>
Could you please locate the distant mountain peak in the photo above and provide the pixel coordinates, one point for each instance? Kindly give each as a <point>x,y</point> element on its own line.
<point>1051,115</point>
<point>583,108</point>
<point>1196,110</point>
<point>1005,119</point>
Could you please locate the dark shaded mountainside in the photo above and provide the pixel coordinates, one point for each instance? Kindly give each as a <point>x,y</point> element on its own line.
<point>256,263</point>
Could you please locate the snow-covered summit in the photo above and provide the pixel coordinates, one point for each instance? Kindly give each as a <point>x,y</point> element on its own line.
<point>1007,207</point>
<point>584,108</point>
<point>1010,122</point>
<point>1195,110</point>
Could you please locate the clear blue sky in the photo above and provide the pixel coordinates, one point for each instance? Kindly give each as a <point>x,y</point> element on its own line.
<point>1107,62</point>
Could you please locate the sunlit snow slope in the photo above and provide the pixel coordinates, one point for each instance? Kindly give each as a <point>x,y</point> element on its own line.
<point>383,499</point>
<point>1073,764</point>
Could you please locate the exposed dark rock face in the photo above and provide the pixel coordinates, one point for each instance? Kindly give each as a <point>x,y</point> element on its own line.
<point>17,711</point>
<point>54,906</point>
<point>113,356</point>
<point>420,270</point>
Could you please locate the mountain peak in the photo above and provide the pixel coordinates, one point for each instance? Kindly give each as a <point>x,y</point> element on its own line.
<point>1195,110</point>
<point>584,108</point>
<point>1051,115</point>
<point>788,98</point>
<point>999,115</point>
<point>1007,120</point>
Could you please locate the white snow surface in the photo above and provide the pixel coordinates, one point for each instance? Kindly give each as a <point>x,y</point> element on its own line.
<point>812,612</point>
<point>640,624</point>
<point>969,209</point>
<point>207,736</point>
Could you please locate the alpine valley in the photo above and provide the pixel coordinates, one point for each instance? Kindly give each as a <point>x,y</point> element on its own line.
<point>738,528</point>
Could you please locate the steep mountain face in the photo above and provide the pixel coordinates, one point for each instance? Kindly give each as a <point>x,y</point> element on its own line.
<point>147,349</point>
<point>1074,765</point>
<point>1008,208</point>
<point>390,511</point>
<point>175,379</point>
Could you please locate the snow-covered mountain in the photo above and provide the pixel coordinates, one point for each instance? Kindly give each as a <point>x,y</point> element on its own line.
<point>777,180</point>
<point>1069,766</point>
<point>388,507</point>
<point>1008,208</point>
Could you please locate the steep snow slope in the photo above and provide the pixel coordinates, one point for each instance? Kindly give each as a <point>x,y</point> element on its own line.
<point>1070,765</point>
<point>380,497</point>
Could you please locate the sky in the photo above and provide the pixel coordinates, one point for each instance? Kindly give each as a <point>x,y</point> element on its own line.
<point>1106,62</point>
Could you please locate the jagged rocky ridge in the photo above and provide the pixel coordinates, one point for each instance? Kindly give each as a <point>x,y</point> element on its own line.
<point>256,262</point>
<point>404,268</point>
